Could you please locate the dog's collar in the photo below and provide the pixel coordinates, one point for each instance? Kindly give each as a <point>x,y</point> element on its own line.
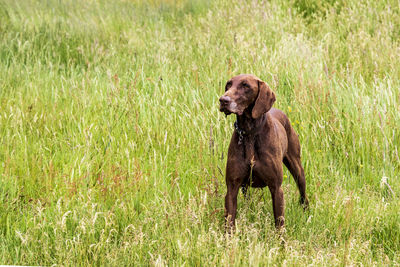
<point>241,132</point>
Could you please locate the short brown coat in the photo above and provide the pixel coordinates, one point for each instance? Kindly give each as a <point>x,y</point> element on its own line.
<point>264,138</point>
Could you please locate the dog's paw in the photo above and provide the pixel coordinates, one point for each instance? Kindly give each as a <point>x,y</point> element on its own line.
<point>304,203</point>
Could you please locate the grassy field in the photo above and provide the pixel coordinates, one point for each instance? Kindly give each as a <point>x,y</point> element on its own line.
<point>113,151</point>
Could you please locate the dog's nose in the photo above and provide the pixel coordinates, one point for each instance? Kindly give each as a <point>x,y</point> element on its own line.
<point>224,100</point>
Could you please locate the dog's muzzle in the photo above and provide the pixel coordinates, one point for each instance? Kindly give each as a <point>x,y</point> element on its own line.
<point>226,104</point>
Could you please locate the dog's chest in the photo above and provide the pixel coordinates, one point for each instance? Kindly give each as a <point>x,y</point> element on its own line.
<point>252,151</point>
<point>259,161</point>
<point>255,177</point>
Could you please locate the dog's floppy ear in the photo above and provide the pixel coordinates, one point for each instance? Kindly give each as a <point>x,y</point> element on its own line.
<point>264,101</point>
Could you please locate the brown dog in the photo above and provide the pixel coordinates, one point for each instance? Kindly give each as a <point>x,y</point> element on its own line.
<point>262,140</point>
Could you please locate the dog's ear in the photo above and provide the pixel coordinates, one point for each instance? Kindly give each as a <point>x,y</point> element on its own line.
<point>264,101</point>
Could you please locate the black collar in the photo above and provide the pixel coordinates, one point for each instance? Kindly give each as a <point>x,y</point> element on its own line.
<point>241,132</point>
<point>251,131</point>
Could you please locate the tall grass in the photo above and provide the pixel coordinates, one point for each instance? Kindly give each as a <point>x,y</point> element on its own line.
<point>112,149</point>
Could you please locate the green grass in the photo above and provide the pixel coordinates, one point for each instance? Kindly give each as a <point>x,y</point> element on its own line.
<point>113,151</point>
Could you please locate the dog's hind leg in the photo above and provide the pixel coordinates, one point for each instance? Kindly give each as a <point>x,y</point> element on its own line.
<point>297,171</point>
<point>293,162</point>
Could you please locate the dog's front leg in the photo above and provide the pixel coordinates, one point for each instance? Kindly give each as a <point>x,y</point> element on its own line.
<point>278,204</point>
<point>231,205</point>
<point>237,170</point>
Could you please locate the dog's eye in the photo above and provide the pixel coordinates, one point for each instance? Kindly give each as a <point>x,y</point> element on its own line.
<point>227,86</point>
<point>244,84</point>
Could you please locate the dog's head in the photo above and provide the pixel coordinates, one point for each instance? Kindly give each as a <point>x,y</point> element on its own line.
<point>246,92</point>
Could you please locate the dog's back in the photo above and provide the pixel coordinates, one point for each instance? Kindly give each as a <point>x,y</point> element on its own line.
<point>282,118</point>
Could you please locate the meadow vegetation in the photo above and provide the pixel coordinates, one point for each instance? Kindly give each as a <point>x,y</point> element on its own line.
<point>113,151</point>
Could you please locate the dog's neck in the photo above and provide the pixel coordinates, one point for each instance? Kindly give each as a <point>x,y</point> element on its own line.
<point>248,125</point>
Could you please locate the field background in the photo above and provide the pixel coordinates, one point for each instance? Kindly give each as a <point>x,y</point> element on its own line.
<point>113,151</point>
